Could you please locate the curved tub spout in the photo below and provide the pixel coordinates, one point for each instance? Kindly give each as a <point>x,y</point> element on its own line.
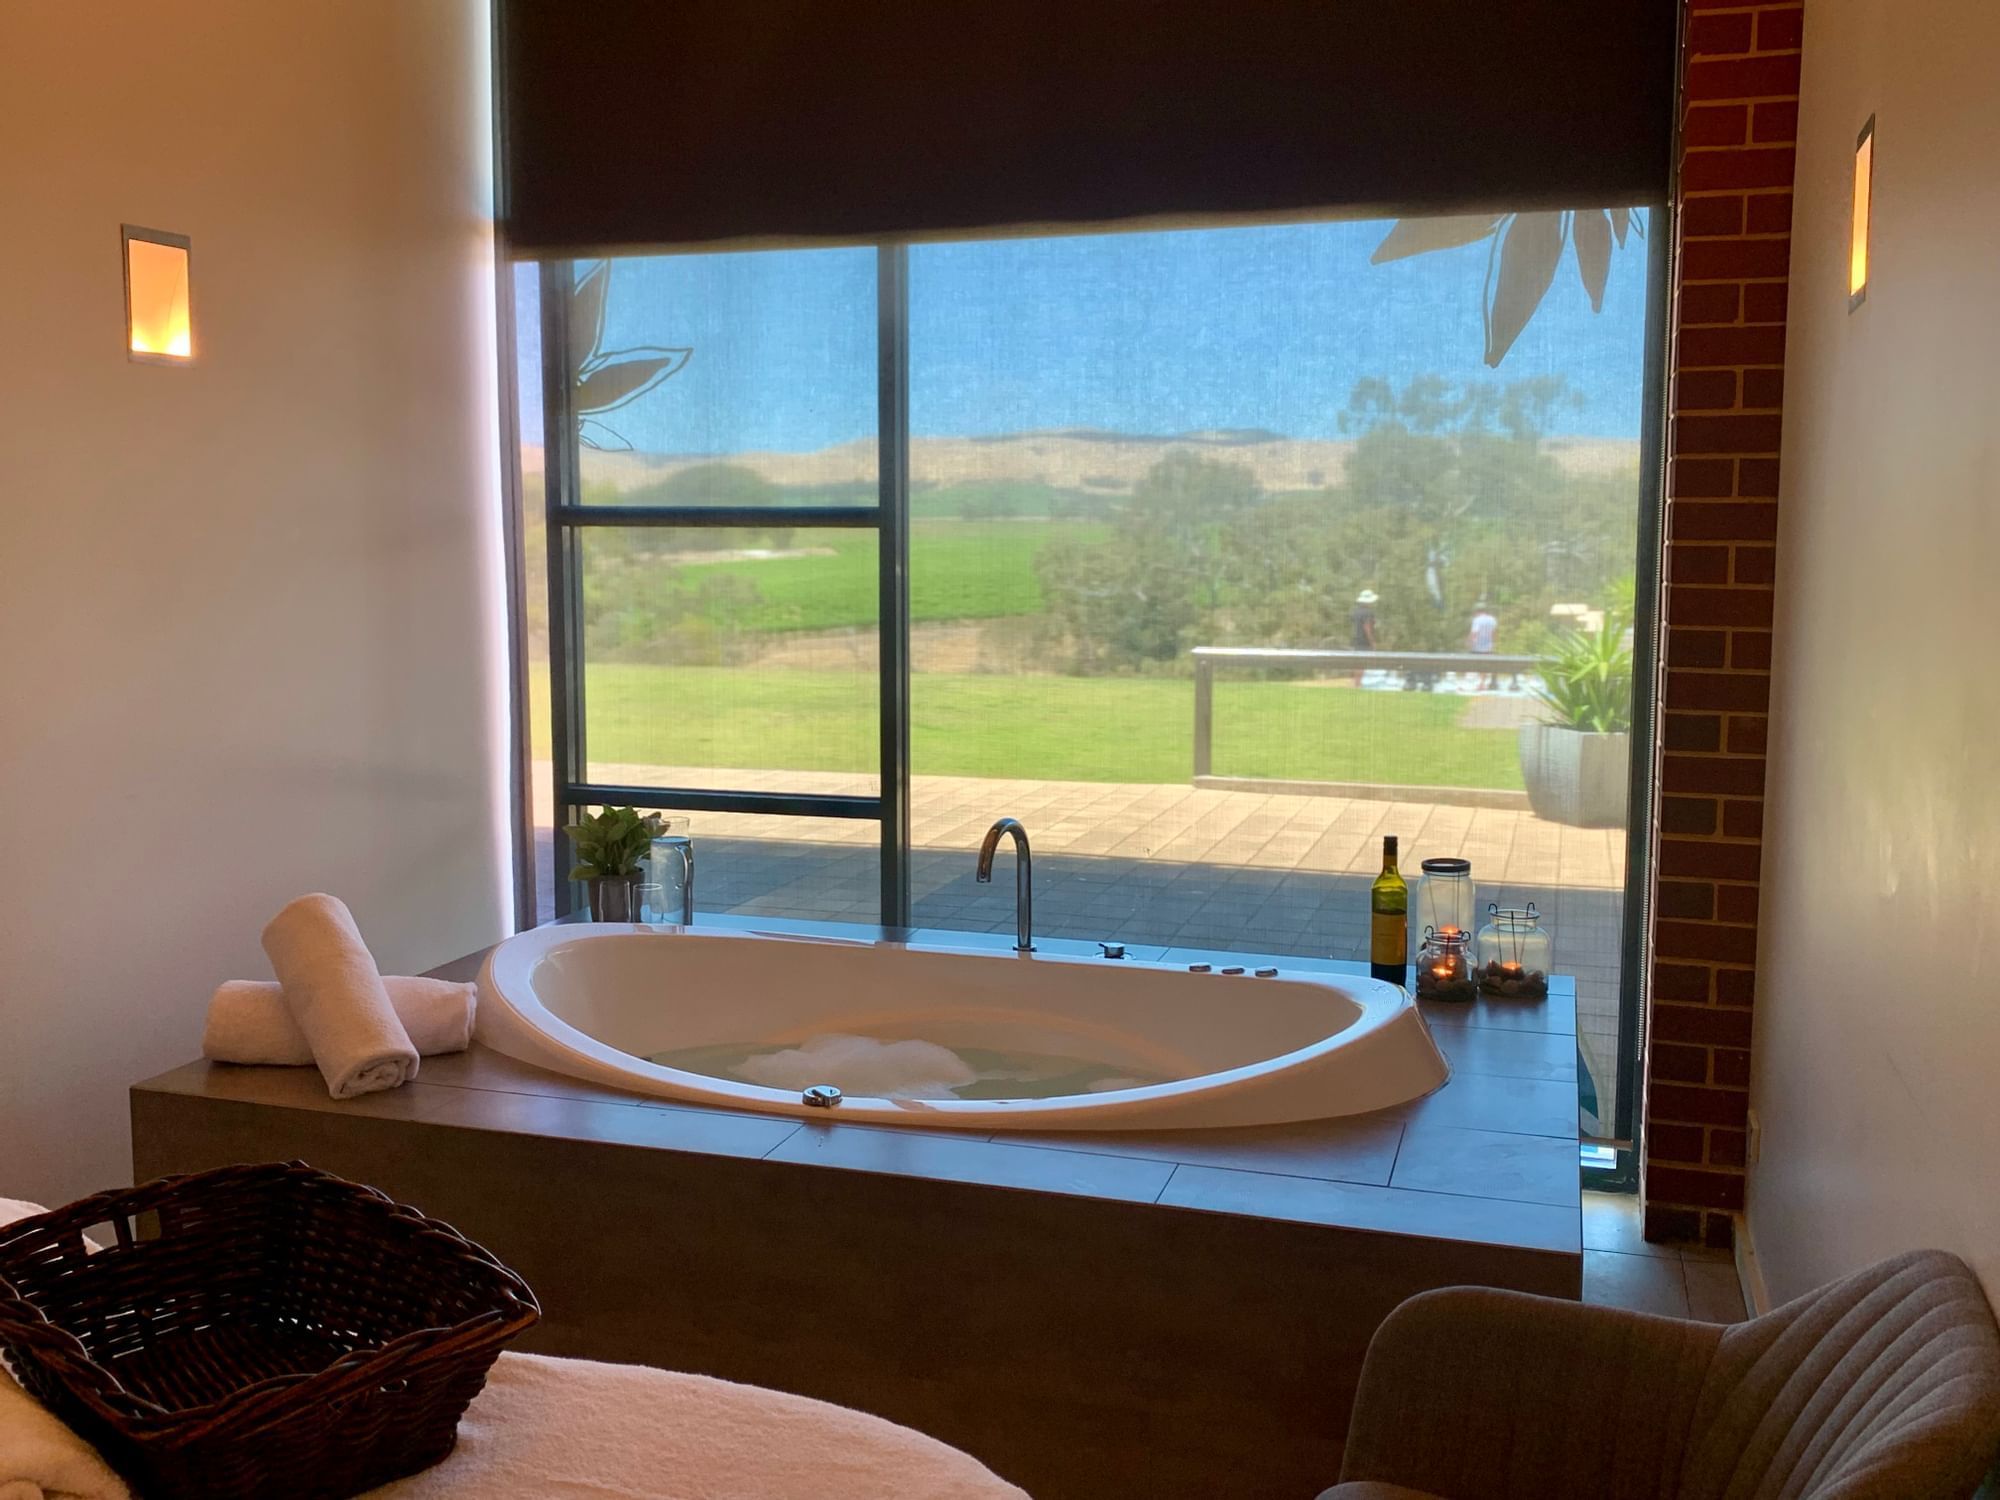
<point>1024,879</point>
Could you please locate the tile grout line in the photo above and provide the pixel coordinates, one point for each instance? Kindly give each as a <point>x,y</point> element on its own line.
<point>1396,1158</point>
<point>797,1126</point>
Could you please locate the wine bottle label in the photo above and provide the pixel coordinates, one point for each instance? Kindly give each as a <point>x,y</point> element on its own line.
<point>1388,938</point>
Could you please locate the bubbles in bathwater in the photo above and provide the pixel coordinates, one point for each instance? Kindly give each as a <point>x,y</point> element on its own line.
<point>867,1066</point>
<point>861,1065</point>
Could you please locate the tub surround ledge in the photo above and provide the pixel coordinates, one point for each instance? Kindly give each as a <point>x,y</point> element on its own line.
<point>1090,1314</point>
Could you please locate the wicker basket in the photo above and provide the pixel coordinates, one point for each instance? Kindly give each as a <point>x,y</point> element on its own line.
<point>261,1331</point>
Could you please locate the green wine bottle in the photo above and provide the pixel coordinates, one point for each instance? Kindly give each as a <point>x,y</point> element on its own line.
<point>1389,920</point>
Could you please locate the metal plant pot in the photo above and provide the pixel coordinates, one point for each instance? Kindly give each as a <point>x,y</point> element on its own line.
<point>1576,777</point>
<point>614,898</point>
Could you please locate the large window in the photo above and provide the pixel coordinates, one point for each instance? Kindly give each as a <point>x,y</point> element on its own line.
<point>1211,555</point>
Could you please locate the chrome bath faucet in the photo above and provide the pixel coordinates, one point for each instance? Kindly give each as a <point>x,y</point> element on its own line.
<point>1024,879</point>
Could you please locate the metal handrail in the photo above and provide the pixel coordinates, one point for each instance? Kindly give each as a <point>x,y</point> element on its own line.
<point>1206,657</point>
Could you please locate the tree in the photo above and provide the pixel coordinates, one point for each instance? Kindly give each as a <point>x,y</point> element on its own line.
<point>1142,596</point>
<point>1449,495</point>
<point>723,484</point>
<point>1183,505</point>
<point>1449,490</point>
<point>711,484</point>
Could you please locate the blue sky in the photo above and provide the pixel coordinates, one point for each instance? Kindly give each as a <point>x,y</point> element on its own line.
<point>1155,333</point>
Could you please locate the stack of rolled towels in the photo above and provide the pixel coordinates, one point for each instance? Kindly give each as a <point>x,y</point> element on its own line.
<point>330,1006</point>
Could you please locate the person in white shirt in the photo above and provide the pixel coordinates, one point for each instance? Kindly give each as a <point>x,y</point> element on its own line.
<point>1479,639</point>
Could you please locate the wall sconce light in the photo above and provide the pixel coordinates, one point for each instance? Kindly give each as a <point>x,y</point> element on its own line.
<point>1857,250</point>
<point>159,325</point>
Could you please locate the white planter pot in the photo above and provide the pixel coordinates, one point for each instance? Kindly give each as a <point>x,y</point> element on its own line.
<point>1577,778</point>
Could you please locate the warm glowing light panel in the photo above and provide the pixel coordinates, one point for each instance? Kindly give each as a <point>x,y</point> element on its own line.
<point>157,320</point>
<point>1857,255</point>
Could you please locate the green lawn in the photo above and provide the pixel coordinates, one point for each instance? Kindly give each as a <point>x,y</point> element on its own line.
<point>1057,728</point>
<point>959,570</point>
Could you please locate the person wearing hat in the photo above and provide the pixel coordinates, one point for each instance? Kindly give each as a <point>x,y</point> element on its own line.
<point>1362,618</point>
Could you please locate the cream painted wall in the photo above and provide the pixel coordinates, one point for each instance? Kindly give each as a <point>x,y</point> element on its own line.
<point>1877,1072</point>
<point>247,609</point>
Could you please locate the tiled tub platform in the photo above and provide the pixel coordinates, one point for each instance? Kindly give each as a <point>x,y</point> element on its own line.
<point>1164,1314</point>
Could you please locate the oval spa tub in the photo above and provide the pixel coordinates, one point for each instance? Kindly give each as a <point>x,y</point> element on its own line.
<point>949,1038</point>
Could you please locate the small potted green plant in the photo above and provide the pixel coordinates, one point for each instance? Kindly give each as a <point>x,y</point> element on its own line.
<point>1577,764</point>
<point>609,849</point>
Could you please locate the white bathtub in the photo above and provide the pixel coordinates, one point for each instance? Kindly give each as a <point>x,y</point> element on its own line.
<point>594,1002</point>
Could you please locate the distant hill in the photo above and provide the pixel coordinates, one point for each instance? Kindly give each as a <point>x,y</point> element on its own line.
<point>1085,459</point>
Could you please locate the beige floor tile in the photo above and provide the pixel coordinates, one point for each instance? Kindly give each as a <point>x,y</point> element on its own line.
<point>1612,1221</point>
<point>1714,1293</point>
<point>1637,1283</point>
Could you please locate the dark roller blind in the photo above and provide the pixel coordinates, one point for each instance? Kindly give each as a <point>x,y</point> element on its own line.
<point>664,122</point>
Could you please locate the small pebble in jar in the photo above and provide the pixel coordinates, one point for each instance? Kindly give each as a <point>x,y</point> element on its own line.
<point>1430,987</point>
<point>1510,982</point>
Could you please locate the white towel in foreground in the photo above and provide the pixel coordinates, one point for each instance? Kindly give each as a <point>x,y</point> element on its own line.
<point>249,1022</point>
<point>40,1458</point>
<point>573,1429</point>
<point>334,992</point>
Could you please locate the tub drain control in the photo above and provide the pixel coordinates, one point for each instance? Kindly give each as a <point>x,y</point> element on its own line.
<point>821,1096</point>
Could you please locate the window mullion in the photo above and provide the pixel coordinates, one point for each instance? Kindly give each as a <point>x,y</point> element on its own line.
<point>561,491</point>
<point>892,306</point>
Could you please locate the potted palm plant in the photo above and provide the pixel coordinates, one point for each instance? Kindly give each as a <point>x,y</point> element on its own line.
<point>1577,761</point>
<point>609,849</point>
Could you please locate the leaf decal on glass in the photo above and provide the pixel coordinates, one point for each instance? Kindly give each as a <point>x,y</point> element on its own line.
<point>1529,252</point>
<point>1525,250</point>
<point>1592,232</point>
<point>1419,236</point>
<point>608,380</point>
<point>626,375</point>
<point>594,434</point>
<point>586,315</point>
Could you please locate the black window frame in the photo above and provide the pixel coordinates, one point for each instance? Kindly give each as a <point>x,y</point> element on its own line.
<point>566,518</point>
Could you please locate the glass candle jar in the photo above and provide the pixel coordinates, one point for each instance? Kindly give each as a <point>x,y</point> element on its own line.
<point>1444,899</point>
<point>1513,955</point>
<point>1444,966</point>
<point>669,874</point>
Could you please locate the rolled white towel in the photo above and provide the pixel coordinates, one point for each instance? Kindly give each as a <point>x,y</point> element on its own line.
<point>249,1022</point>
<point>40,1458</point>
<point>18,1208</point>
<point>335,994</point>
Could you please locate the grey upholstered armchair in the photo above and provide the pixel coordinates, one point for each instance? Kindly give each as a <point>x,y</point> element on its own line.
<point>1883,1386</point>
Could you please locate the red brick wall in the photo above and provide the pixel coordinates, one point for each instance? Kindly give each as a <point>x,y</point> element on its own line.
<point>1739,119</point>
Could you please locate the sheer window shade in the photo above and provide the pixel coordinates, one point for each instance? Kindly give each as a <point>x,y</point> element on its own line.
<point>631,123</point>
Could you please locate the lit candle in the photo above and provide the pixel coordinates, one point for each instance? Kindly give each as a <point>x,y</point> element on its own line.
<point>1509,969</point>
